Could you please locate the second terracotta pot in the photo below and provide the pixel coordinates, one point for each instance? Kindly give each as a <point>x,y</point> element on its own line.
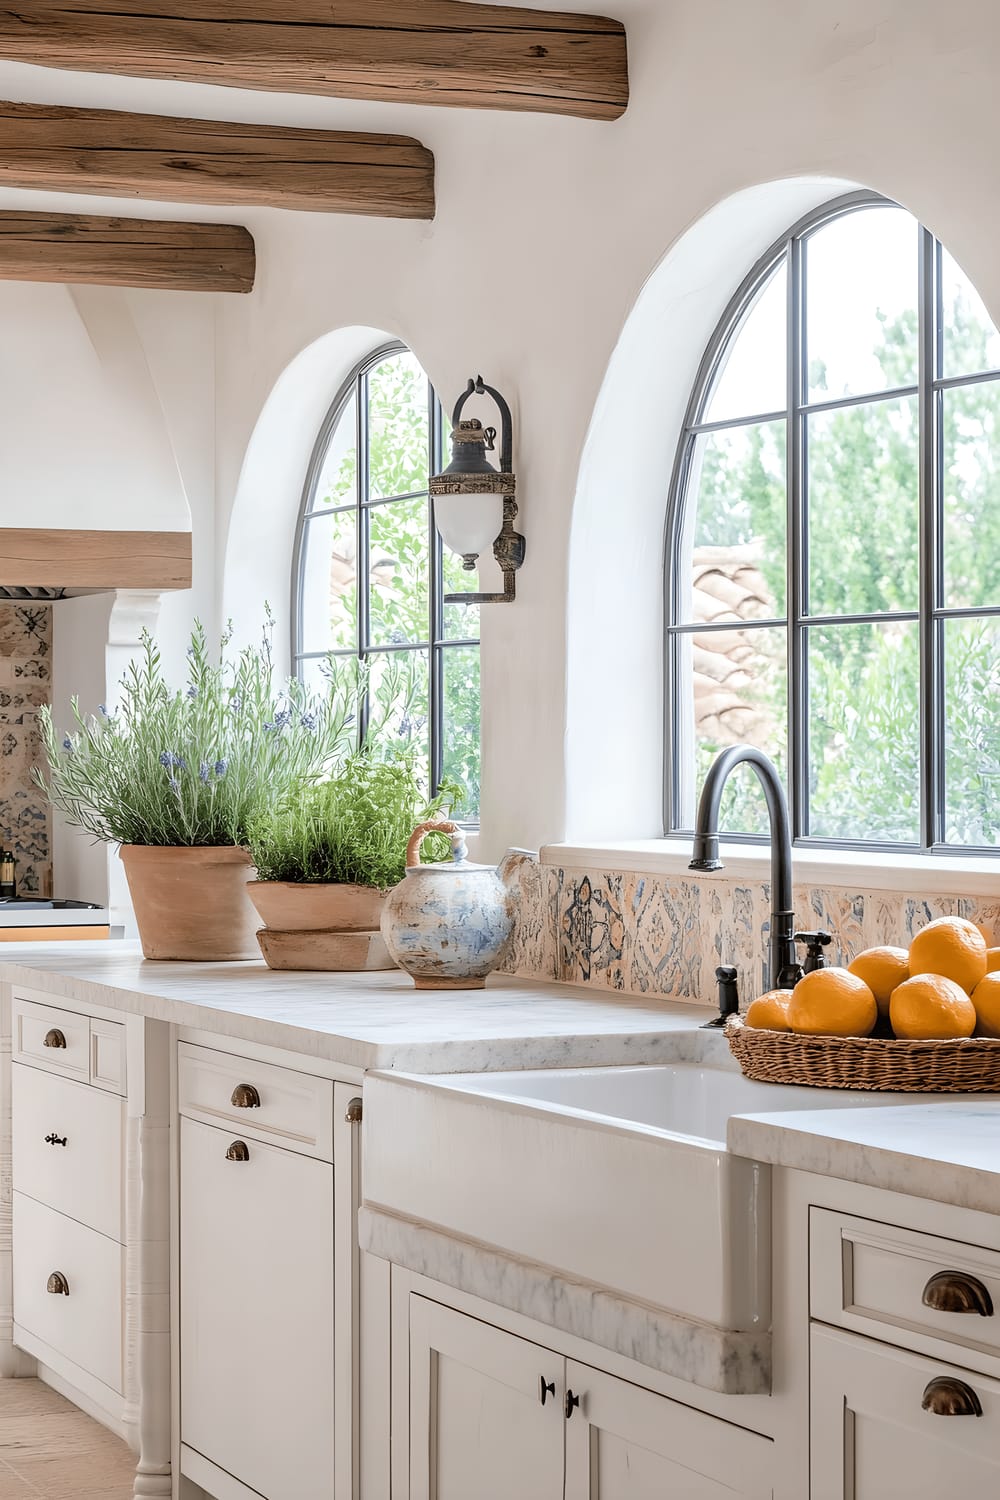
<point>307,906</point>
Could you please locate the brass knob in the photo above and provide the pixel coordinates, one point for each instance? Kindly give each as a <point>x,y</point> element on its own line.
<point>245,1096</point>
<point>238,1151</point>
<point>947,1397</point>
<point>957,1292</point>
<point>57,1284</point>
<point>54,1038</point>
<point>353,1112</point>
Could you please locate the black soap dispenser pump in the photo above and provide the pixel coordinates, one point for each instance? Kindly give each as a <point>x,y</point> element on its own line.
<point>815,943</point>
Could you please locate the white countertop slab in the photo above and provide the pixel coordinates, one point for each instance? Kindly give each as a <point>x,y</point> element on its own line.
<point>948,1151</point>
<point>37,916</point>
<point>369,1020</point>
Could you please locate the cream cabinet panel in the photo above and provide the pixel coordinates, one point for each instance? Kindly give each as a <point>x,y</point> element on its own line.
<point>256,1099</point>
<point>56,1040</point>
<point>67,1147</point>
<point>871,1437</point>
<point>83,1319</point>
<point>626,1443</point>
<point>478,1427</point>
<point>256,1312</point>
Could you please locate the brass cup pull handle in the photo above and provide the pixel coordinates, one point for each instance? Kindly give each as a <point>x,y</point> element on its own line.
<point>238,1151</point>
<point>947,1397</point>
<point>245,1096</point>
<point>957,1292</point>
<point>54,1038</point>
<point>57,1284</point>
<point>546,1388</point>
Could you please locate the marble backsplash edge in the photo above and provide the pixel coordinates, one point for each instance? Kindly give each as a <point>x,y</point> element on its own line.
<point>650,935</point>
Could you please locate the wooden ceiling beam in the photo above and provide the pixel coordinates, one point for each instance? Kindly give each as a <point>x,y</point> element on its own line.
<point>210,161</point>
<point>157,253</point>
<point>407,51</point>
<point>72,559</point>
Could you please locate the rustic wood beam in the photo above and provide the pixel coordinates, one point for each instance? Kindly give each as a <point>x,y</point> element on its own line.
<point>72,559</point>
<point>408,51</point>
<point>126,252</point>
<point>209,161</point>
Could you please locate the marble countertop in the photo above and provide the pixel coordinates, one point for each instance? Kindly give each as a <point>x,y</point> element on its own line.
<point>367,1020</point>
<point>947,1150</point>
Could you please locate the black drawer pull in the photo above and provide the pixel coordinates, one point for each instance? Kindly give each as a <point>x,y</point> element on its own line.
<point>55,1140</point>
<point>546,1388</point>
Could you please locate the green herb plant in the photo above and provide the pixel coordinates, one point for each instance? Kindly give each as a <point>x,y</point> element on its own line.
<point>197,766</point>
<point>352,828</point>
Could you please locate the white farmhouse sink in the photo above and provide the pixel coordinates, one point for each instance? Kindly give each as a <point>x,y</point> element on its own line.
<point>615,1177</point>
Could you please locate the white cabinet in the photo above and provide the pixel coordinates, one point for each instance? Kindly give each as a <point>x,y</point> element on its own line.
<point>493,1416</point>
<point>626,1443</point>
<point>887,1424</point>
<point>257,1311</point>
<point>68,1147</point>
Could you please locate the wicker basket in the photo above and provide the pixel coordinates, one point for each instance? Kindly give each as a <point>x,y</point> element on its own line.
<point>962,1066</point>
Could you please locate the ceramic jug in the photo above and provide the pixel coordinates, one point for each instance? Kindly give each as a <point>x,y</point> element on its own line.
<point>447,924</point>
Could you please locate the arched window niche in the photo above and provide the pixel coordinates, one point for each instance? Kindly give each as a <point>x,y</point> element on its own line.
<point>831,591</point>
<point>619,613</point>
<point>370,574</point>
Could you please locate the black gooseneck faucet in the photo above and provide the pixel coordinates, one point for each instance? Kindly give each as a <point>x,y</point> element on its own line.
<point>784,970</point>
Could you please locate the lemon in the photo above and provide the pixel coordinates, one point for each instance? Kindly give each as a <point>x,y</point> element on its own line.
<point>986,1001</point>
<point>953,947</point>
<point>931,1007</point>
<point>882,969</point>
<point>769,1012</point>
<point>832,1002</point>
<point>992,960</point>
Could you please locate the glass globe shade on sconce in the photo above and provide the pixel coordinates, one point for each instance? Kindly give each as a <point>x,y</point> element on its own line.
<point>474,503</point>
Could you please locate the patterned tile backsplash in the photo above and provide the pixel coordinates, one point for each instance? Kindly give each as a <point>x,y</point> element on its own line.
<point>25,684</point>
<point>657,935</point>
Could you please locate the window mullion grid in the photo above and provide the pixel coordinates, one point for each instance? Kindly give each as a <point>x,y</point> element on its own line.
<point>930,531</point>
<point>363,549</point>
<point>435,680</point>
<point>797,543</point>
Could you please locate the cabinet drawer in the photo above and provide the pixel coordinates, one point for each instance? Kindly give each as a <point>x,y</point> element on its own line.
<point>86,1325</point>
<point>873,1277</point>
<point>67,1147</point>
<point>56,1040</point>
<point>291,1109</point>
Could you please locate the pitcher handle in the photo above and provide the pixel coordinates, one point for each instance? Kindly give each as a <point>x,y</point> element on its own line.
<point>443,825</point>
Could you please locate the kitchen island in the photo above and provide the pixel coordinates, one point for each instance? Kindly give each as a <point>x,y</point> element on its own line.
<point>284,1234</point>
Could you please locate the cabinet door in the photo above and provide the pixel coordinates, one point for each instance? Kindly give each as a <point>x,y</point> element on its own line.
<point>256,1313</point>
<point>626,1443</point>
<point>871,1437</point>
<point>479,1428</point>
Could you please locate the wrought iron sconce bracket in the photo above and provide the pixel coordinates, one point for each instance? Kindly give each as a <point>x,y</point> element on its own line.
<point>508,549</point>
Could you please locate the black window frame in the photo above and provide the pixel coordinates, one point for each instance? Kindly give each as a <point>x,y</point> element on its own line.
<point>930,615</point>
<point>436,644</point>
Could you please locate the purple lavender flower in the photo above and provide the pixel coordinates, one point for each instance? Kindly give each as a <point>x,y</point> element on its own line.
<point>204,771</point>
<point>102,709</point>
<point>68,745</point>
<point>166,759</point>
<point>220,768</point>
<point>175,786</point>
<point>308,721</point>
<point>192,692</point>
<point>236,703</point>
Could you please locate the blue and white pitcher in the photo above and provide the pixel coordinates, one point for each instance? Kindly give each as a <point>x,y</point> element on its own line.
<point>447,924</point>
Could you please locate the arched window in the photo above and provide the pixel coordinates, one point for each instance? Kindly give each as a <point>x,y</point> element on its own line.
<point>370,572</point>
<point>833,545</point>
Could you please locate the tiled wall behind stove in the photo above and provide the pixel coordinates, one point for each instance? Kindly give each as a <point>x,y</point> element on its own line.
<point>653,935</point>
<point>25,684</point>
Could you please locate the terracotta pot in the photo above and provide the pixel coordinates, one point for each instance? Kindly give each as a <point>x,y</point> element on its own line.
<point>309,925</point>
<point>191,903</point>
<point>310,906</point>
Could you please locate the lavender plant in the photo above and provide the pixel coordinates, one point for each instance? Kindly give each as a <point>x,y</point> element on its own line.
<point>198,766</point>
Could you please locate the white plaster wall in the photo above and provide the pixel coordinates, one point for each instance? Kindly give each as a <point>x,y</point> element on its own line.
<point>546,231</point>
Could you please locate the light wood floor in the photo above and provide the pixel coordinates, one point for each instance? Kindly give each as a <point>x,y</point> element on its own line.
<point>51,1451</point>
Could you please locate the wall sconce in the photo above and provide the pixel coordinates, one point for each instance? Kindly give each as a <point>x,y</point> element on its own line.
<point>474,504</point>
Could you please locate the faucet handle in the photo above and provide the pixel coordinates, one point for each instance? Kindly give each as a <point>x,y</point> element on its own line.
<point>815,943</point>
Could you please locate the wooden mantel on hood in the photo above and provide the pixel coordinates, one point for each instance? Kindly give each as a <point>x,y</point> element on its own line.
<point>94,561</point>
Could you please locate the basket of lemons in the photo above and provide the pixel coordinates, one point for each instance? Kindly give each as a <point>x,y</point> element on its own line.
<point>922,1021</point>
